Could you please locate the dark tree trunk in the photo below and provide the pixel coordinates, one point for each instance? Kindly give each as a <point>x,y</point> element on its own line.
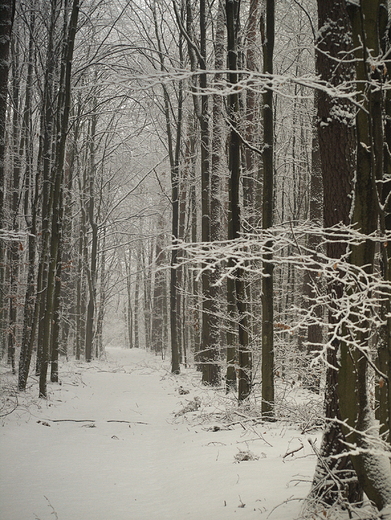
<point>352,378</point>
<point>13,249</point>
<point>136,306</point>
<point>337,149</point>
<point>234,226</point>
<point>210,369</point>
<point>384,349</point>
<point>92,271</point>
<point>311,286</point>
<point>55,234</point>
<point>174,148</point>
<point>47,139</point>
<point>7,10</point>
<point>31,208</point>
<point>267,220</point>
<point>251,184</point>
<point>159,295</point>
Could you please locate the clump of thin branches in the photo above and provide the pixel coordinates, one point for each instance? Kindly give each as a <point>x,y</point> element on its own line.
<point>316,509</point>
<point>245,455</point>
<point>8,397</point>
<point>306,413</point>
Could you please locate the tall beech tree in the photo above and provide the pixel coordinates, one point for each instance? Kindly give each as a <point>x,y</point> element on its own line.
<point>31,204</point>
<point>174,142</point>
<point>373,471</point>
<point>336,137</point>
<point>217,163</point>
<point>267,216</point>
<point>209,331</point>
<point>7,12</point>
<point>14,247</point>
<point>384,190</point>
<point>234,225</point>
<point>57,167</point>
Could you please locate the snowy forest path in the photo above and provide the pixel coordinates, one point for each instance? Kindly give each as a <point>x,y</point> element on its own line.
<point>112,442</point>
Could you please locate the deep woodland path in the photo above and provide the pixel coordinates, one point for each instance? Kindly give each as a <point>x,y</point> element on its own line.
<point>111,444</point>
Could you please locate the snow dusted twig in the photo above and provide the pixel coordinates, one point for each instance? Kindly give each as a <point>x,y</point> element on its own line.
<point>93,420</point>
<point>292,452</point>
<point>127,422</point>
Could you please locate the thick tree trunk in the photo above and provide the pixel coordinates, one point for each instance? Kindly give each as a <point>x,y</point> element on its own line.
<point>63,109</point>
<point>384,349</point>
<point>31,208</point>
<point>373,470</point>
<point>48,137</point>
<point>336,146</point>
<point>251,130</point>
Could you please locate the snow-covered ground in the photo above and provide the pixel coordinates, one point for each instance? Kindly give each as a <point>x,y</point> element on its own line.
<point>117,440</point>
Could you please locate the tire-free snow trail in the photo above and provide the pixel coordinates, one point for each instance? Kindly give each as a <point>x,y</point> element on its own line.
<point>108,445</point>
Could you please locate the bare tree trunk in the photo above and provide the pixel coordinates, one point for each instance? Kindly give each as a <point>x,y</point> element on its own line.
<point>31,204</point>
<point>63,109</point>
<point>7,10</point>
<point>99,347</point>
<point>336,146</point>
<point>174,156</point>
<point>147,278</point>
<point>136,307</point>
<point>314,332</point>
<point>373,473</point>
<point>159,294</point>
<point>13,249</point>
<point>244,352</point>
<point>129,306</point>
<point>80,286</point>
<point>217,145</point>
<point>47,136</point>
<point>384,349</point>
<point>251,182</point>
<point>267,220</point>
<point>92,270</point>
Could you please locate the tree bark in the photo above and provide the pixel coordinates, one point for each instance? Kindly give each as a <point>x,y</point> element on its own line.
<point>234,225</point>
<point>384,349</point>
<point>373,470</point>
<point>13,249</point>
<point>337,150</point>
<point>267,220</point>
<point>174,147</point>
<point>213,356</point>
<point>7,11</point>
<point>92,272</point>
<point>63,110</point>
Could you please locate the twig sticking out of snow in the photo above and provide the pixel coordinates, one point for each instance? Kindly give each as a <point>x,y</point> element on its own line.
<point>293,451</point>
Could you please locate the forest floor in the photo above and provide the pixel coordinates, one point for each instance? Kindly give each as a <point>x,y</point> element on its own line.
<point>123,439</point>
